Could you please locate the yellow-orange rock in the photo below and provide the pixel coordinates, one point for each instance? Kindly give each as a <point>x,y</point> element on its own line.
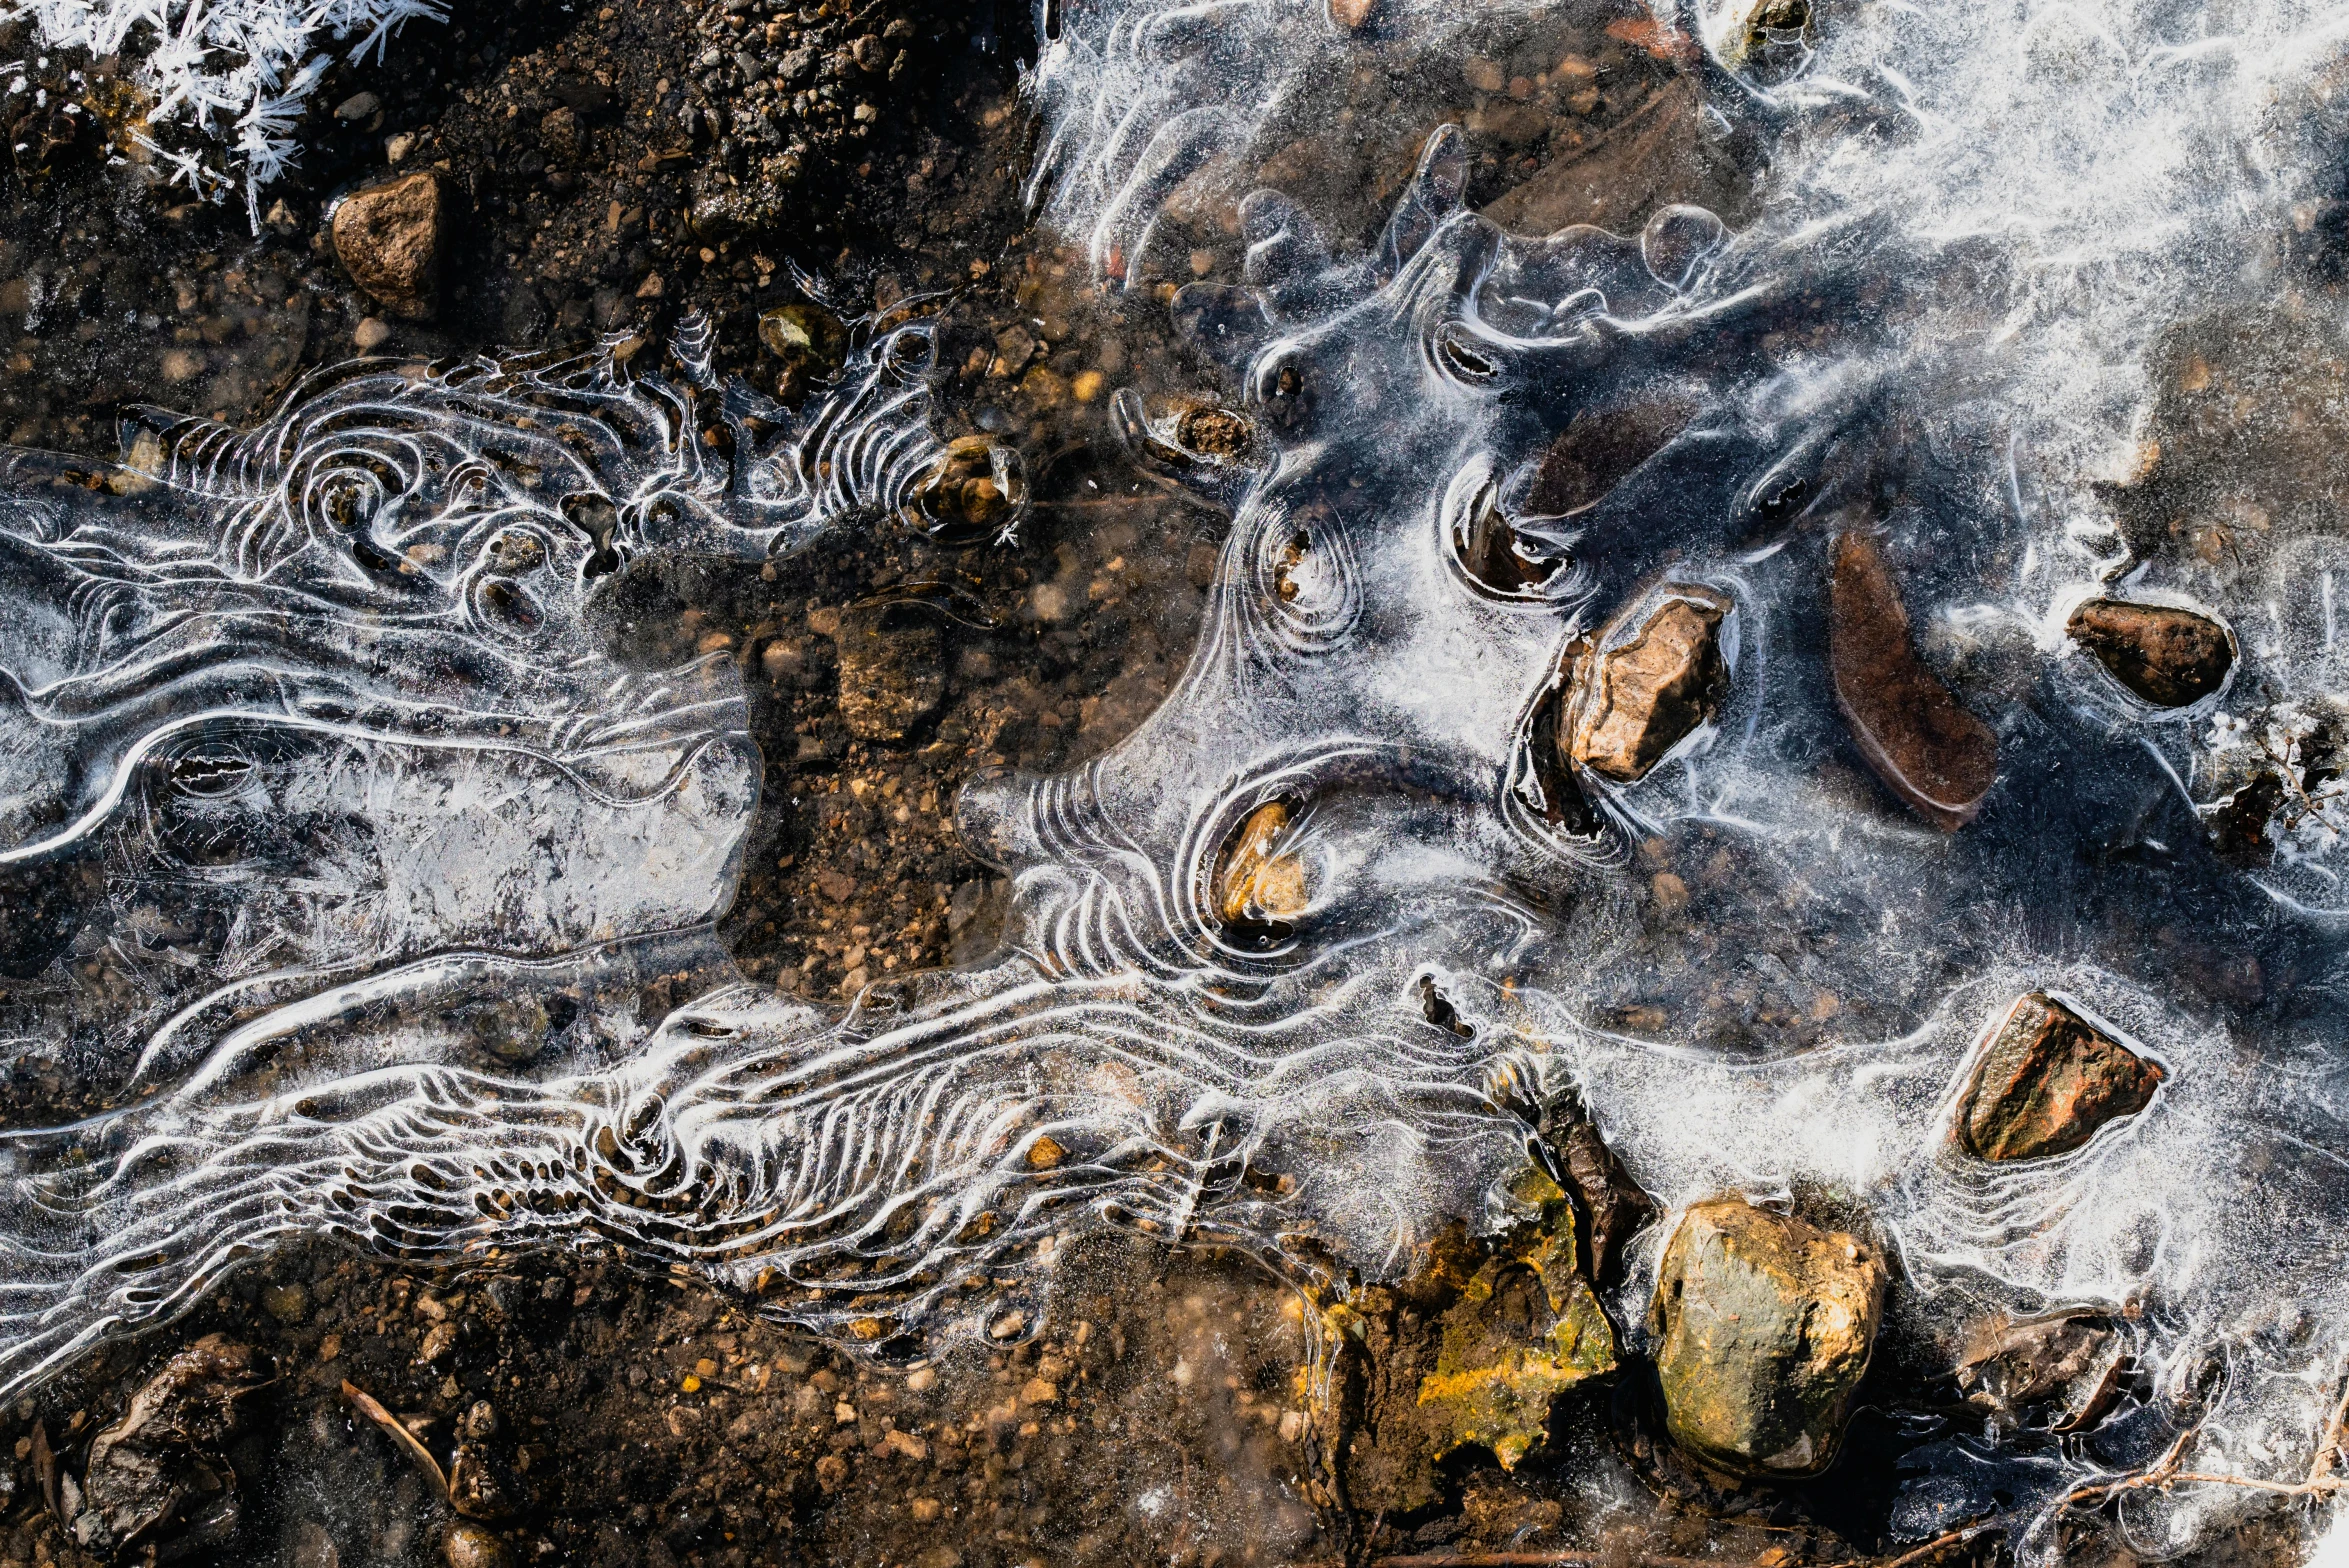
<point>1762,1325</point>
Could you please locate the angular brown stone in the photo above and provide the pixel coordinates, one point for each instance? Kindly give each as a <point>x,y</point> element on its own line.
<point>1762,1325</point>
<point>1254,887</point>
<point>2071,1362</point>
<point>1926,748</point>
<point>2167,656</point>
<point>1635,699</point>
<point>2047,1081</point>
<point>390,237</point>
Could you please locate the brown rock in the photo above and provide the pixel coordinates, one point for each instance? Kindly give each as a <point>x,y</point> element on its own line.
<point>2167,656</point>
<point>390,237</point>
<point>1352,15</point>
<point>2071,1362</point>
<point>1255,887</point>
<point>1926,748</point>
<point>2046,1082</point>
<point>1636,699</point>
<point>1762,1326</point>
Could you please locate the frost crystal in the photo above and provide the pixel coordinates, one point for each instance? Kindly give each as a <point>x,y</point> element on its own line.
<point>235,72</point>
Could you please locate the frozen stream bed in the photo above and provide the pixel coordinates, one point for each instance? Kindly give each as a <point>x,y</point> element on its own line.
<point>1262,781</point>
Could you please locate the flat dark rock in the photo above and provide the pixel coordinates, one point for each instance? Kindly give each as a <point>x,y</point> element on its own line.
<point>1920,741</point>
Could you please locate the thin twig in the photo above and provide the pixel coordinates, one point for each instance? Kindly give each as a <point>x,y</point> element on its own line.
<point>2165,1472</point>
<point>368,1406</point>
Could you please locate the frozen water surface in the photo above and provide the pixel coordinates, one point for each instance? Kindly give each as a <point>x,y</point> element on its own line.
<point>2044,300</point>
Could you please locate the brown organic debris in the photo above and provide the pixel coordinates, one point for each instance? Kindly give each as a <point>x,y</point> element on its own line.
<point>2070,1362</point>
<point>1614,1207</point>
<point>1642,695</point>
<point>1927,749</point>
<point>159,1472</point>
<point>1256,887</point>
<point>1473,1347</point>
<point>482,1486</point>
<point>1215,432</point>
<point>2046,1081</point>
<point>1762,1325</point>
<point>2169,657</point>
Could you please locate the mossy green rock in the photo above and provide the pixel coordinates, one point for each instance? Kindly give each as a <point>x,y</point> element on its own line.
<point>1762,1325</point>
<point>1525,1329</point>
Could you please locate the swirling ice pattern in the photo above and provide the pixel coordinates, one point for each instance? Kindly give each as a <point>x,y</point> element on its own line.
<point>331,621</point>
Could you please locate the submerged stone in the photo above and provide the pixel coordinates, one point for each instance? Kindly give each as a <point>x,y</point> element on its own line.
<point>1635,700</point>
<point>390,237</point>
<point>2046,1082</point>
<point>1763,1325</point>
<point>1525,1329</point>
<point>470,1546</point>
<point>1920,741</point>
<point>974,488</point>
<point>2169,657</point>
<point>1255,886</point>
<point>2069,1363</point>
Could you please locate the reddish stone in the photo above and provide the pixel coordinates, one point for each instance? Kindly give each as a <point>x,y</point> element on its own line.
<point>1926,748</point>
<point>2167,656</point>
<point>2047,1081</point>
